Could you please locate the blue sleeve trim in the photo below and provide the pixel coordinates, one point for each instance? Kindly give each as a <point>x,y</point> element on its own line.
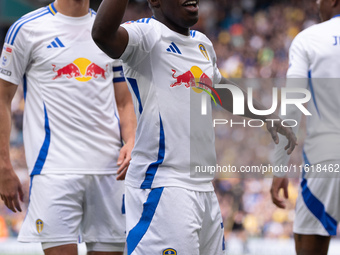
<point>119,79</point>
<point>117,68</point>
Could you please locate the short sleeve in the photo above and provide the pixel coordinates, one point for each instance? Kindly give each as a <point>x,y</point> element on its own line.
<point>217,73</point>
<point>14,57</point>
<point>141,40</point>
<point>298,58</point>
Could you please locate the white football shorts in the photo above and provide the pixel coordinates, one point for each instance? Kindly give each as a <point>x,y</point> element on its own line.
<point>172,220</point>
<point>318,204</point>
<point>72,208</point>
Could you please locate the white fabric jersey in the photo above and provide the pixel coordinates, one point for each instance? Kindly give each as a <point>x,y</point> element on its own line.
<point>315,54</point>
<point>71,123</point>
<point>161,66</point>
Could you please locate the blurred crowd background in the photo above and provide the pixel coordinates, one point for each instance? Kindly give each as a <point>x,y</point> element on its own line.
<point>251,40</point>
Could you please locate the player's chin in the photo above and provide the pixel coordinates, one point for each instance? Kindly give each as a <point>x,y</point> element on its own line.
<point>191,21</point>
<point>188,19</point>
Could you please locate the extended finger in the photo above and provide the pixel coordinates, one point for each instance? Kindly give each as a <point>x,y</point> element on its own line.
<point>276,200</point>
<point>275,137</point>
<point>21,194</point>
<point>120,158</point>
<point>16,203</point>
<point>9,203</point>
<point>121,176</point>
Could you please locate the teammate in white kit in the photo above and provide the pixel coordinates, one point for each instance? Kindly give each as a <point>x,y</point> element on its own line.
<point>78,112</point>
<point>315,54</point>
<point>169,209</point>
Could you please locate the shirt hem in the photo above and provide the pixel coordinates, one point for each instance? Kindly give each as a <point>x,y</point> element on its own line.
<point>206,187</point>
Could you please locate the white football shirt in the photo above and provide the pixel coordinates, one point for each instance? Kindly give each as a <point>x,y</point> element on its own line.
<point>314,64</point>
<point>71,123</point>
<point>173,138</point>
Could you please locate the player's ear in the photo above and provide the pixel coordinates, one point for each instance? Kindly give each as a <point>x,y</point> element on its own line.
<point>154,3</point>
<point>334,3</point>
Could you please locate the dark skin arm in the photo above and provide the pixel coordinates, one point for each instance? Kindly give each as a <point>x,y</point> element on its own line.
<point>273,129</point>
<point>10,186</point>
<point>107,32</point>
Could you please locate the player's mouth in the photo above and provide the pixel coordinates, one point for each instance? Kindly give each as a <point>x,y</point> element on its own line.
<point>191,5</point>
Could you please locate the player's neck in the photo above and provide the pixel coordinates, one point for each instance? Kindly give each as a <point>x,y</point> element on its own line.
<point>73,8</point>
<point>336,14</point>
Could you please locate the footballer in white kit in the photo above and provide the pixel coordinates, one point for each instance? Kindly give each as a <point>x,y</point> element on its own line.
<point>314,64</point>
<point>171,72</point>
<point>159,172</point>
<point>71,128</point>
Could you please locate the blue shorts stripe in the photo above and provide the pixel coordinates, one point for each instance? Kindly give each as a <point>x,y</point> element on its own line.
<point>149,208</point>
<point>123,204</point>
<point>315,205</point>
<point>318,209</point>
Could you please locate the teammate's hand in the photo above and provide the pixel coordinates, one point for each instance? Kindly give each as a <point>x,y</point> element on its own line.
<point>10,189</point>
<point>124,160</point>
<point>275,127</point>
<point>277,184</point>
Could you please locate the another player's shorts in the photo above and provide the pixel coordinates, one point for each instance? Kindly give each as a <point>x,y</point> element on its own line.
<point>69,208</point>
<point>171,220</point>
<point>318,203</point>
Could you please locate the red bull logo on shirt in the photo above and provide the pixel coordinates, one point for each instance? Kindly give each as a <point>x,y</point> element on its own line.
<point>196,79</point>
<point>81,69</point>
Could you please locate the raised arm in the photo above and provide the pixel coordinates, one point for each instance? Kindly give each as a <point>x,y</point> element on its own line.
<point>107,32</point>
<point>10,187</point>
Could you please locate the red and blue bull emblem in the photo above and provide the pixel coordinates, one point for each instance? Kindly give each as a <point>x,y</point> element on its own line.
<point>40,225</point>
<point>196,79</point>
<point>81,69</point>
<point>169,251</point>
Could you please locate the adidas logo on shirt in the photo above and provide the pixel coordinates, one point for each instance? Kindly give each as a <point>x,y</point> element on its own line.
<point>173,48</point>
<point>56,43</point>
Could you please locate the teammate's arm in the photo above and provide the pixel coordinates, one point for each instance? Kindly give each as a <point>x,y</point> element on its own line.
<point>128,125</point>
<point>274,128</point>
<point>297,77</point>
<point>10,186</point>
<point>107,32</point>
